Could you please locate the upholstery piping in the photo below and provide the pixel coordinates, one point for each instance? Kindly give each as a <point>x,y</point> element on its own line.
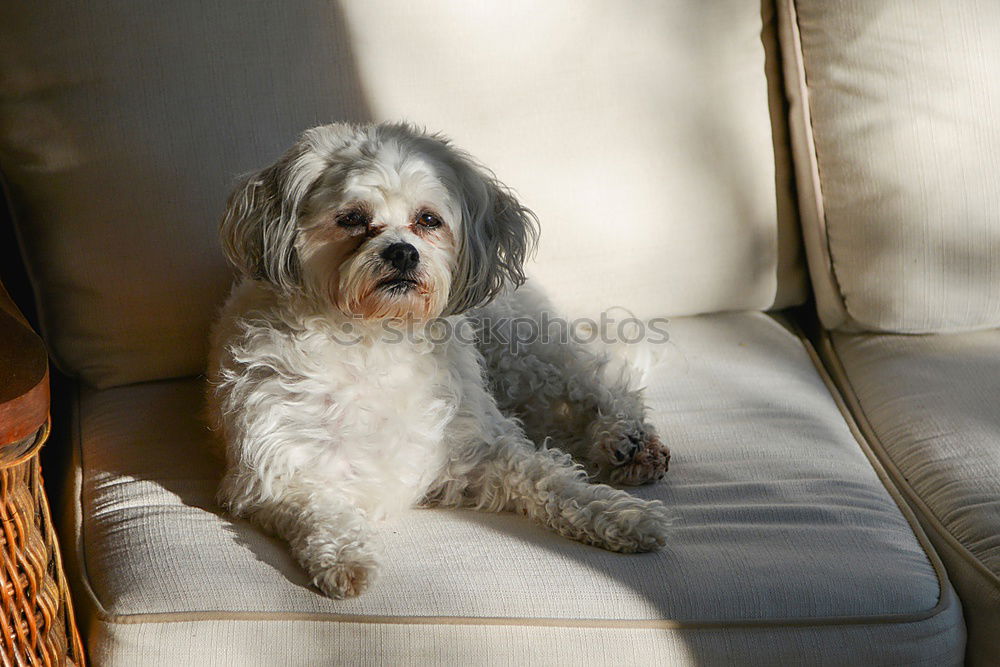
<point>813,210</point>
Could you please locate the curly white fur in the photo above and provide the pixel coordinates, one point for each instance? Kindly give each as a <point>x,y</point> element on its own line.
<point>329,427</point>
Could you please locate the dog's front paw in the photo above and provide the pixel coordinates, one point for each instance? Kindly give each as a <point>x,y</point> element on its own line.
<point>345,579</point>
<point>630,453</point>
<point>629,525</point>
<point>340,571</point>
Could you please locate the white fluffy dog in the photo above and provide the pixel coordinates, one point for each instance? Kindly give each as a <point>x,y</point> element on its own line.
<point>330,423</point>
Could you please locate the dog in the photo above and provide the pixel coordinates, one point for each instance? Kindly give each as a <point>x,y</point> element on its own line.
<point>329,426</point>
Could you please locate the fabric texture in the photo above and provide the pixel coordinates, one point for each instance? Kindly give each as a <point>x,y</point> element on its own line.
<point>639,133</point>
<point>897,149</point>
<point>787,547</point>
<point>930,404</point>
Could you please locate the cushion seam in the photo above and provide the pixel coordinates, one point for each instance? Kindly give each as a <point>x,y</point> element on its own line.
<point>78,520</point>
<point>638,624</point>
<point>817,200</point>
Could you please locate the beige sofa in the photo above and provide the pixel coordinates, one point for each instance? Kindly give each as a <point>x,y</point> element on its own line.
<point>686,159</point>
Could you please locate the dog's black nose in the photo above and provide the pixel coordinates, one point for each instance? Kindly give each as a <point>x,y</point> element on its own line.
<point>402,256</point>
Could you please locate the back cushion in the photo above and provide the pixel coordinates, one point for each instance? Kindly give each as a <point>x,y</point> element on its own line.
<point>638,132</point>
<point>895,126</point>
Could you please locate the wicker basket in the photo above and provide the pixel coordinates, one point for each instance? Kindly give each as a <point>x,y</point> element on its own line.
<point>36,619</point>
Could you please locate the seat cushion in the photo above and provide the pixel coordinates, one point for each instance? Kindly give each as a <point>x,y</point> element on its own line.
<point>897,151</point>
<point>931,407</point>
<point>124,126</point>
<point>787,547</point>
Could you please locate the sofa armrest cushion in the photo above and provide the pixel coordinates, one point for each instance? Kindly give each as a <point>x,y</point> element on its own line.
<point>897,151</point>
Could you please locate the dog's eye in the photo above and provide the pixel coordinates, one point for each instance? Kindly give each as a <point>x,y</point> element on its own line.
<point>428,220</point>
<point>352,219</point>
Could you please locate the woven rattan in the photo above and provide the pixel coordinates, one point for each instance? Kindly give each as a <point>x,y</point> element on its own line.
<point>36,617</point>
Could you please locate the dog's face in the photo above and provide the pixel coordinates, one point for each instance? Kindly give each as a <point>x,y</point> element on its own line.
<point>378,236</point>
<point>379,221</point>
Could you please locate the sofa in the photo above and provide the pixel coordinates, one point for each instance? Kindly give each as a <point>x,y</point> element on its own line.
<point>808,190</point>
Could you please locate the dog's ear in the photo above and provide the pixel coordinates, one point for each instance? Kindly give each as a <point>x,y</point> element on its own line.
<point>497,235</point>
<point>258,228</point>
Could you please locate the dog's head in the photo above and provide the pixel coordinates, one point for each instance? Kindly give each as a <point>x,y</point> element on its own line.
<point>379,221</point>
